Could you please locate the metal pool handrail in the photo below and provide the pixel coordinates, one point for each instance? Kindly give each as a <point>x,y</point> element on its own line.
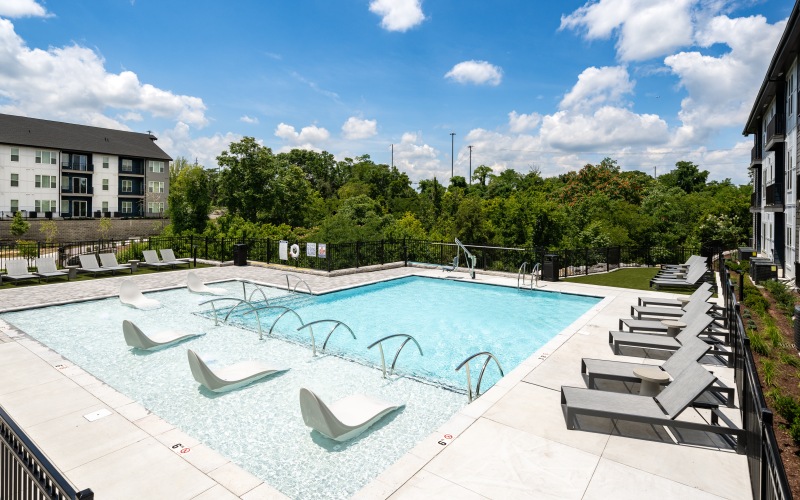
<point>258,289</point>
<point>379,343</point>
<point>239,302</point>
<point>311,324</point>
<point>523,270</point>
<point>489,356</point>
<point>299,280</point>
<point>285,310</point>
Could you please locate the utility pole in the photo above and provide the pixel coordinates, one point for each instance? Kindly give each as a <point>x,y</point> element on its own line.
<point>470,165</point>
<point>655,172</point>
<point>452,159</point>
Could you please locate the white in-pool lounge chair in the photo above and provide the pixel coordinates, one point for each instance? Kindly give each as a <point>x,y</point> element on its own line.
<point>109,261</point>
<point>168,257</point>
<point>229,377</point>
<point>17,270</point>
<point>89,265</point>
<point>151,259</point>
<point>344,419</point>
<point>130,295</point>
<point>135,337</point>
<point>196,285</point>
<point>46,268</point>
<point>663,409</point>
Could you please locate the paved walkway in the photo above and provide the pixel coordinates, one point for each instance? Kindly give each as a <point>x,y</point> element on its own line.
<point>510,443</point>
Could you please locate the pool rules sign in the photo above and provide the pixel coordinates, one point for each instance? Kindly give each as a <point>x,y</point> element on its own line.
<point>311,249</point>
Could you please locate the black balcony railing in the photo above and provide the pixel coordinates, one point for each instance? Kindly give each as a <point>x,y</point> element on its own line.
<point>80,190</point>
<point>133,191</point>
<point>756,155</point>
<point>774,195</point>
<point>25,472</point>
<point>776,129</point>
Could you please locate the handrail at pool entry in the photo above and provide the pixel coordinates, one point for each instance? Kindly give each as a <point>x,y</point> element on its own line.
<point>379,343</point>
<point>239,302</point>
<point>297,283</point>
<point>272,327</point>
<point>258,289</point>
<point>471,259</point>
<point>338,324</point>
<point>523,270</point>
<point>535,276</point>
<point>489,356</point>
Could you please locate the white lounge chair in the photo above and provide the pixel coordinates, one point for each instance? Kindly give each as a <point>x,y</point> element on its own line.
<point>89,265</point>
<point>344,419</point>
<point>196,285</point>
<point>151,259</point>
<point>168,257</point>
<point>135,337</point>
<point>130,295</point>
<point>17,270</point>
<point>109,261</point>
<point>229,377</point>
<point>46,268</point>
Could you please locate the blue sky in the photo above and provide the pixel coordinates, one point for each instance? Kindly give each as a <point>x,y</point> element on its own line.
<point>529,84</point>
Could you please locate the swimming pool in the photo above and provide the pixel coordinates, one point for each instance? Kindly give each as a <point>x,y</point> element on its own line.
<point>260,428</point>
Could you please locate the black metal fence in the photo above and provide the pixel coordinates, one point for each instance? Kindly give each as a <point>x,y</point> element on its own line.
<point>570,262</point>
<point>767,475</point>
<point>24,470</point>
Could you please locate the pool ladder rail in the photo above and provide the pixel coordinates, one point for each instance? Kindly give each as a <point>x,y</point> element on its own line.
<point>379,343</point>
<point>324,344</point>
<point>489,357</point>
<point>468,257</point>
<point>298,281</point>
<point>522,275</point>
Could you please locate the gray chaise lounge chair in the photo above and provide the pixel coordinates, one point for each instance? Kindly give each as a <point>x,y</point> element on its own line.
<point>673,302</point>
<point>109,261</point>
<point>670,307</point>
<point>168,257</point>
<point>693,279</point>
<point>692,311</point>
<point>17,270</point>
<point>662,409</point>
<point>151,259</point>
<point>46,268</point>
<point>691,351</point>
<point>89,265</point>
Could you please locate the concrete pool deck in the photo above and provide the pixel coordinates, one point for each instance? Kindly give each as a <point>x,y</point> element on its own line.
<point>510,443</point>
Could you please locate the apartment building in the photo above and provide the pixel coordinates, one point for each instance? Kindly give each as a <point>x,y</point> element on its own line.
<point>50,168</point>
<point>773,158</point>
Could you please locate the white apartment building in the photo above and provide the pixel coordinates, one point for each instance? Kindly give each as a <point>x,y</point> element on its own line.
<point>773,159</point>
<point>51,169</point>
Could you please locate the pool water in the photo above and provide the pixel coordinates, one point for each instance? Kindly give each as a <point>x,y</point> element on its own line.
<point>260,427</point>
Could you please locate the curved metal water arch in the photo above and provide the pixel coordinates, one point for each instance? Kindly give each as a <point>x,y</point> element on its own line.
<point>239,302</point>
<point>489,357</point>
<point>338,324</point>
<point>299,280</point>
<point>258,289</point>
<point>379,343</point>
<point>272,327</point>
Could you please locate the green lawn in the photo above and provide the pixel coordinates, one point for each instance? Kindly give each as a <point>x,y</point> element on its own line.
<point>637,278</point>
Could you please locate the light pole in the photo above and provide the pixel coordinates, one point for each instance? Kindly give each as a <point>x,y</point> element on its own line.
<point>452,159</point>
<point>470,165</point>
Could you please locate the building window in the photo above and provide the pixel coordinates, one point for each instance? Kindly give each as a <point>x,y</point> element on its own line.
<point>14,154</point>
<point>155,207</point>
<point>47,157</point>
<point>45,181</point>
<point>15,205</point>
<point>78,162</point>
<point>127,165</point>
<point>105,162</point>
<point>105,184</point>
<point>789,171</point>
<point>155,166</point>
<point>64,206</point>
<point>155,187</point>
<point>788,236</point>
<point>127,207</point>
<point>127,186</point>
<point>105,206</point>
<point>14,180</point>
<point>44,205</point>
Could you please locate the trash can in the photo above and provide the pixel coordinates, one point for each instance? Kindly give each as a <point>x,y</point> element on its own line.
<point>240,254</point>
<point>550,268</point>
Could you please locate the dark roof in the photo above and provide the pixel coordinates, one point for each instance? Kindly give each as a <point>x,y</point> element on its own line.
<point>24,131</point>
<point>780,64</point>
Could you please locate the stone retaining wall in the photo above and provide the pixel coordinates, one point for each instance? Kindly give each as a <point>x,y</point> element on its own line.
<point>87,229</point>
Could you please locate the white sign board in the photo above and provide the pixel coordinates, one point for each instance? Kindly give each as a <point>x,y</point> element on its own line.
<point>311,249</point>
<point>322,250</point>
<point>283,250</point>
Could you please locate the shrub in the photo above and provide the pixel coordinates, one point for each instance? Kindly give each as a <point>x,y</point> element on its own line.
<point>774,335</point>
<point>757,343</point>
<point>756,302</point>
<point>769,372</point>
<point>782,295</point>
<point>27,249</point>
<point>790,359</point>
<point>131,252</point>
<point>786,406</point>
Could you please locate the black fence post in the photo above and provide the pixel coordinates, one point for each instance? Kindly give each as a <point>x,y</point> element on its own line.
<point>358,244</point>
<point>405,253</point>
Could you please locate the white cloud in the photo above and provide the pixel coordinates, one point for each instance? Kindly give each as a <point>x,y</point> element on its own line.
<point>22,8</point>
<point>417,159</point>
<point>179,142</point>
<point>398,15</point>
<point>477,72</point>
<point>249,119</point>
<point>520,123</point>
<point>598,87</point>
<point>356,128</point>
<point>645,28</point>
<point>71,83</point>
<point>130,117</point>
<point>608,127</point>
<point>721,90</point>
<point>309,137</point>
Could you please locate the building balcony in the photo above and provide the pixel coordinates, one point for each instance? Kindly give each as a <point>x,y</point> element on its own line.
<point>756,157</point>
<point>66,167</point>
<point>70,190</point>
<point>133,172</point>
<point>755,202</point>
<point>135,192</point>
<point>773,201</point>
<point>776,132</point>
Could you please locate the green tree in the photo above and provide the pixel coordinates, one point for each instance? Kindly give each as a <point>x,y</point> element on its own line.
<point>190,200</point>
<point>49,229</point>
<point>481,173</point>
<point>19,226</point>
<point>686,176</point>
<point>247,181</point>
<point>104,227</point>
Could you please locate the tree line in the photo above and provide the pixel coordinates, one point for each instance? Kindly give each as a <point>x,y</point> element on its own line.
<point>308,195</point>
